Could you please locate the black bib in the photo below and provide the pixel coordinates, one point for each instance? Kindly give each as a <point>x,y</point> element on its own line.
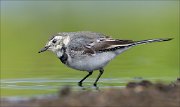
<point>64,58</point>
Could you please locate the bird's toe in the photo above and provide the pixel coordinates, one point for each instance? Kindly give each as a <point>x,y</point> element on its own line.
<point>95,86</point>
<point>80,84</point>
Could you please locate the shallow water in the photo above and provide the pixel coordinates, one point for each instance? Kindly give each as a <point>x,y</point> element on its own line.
<point>50,84</point>
<point>53,85</point>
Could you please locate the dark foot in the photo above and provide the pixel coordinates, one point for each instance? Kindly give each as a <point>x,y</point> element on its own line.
<point>80,84</point>
<point>95,86</point>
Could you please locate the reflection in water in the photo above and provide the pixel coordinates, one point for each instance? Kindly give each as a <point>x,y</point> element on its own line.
<point>47,84</point>
<point>52,84</point>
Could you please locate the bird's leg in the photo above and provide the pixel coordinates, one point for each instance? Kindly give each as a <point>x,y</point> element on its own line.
<point>80,82</point>
<point>100,73</point>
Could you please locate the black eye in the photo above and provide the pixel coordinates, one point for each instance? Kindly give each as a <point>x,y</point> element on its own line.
<point>54,41</point>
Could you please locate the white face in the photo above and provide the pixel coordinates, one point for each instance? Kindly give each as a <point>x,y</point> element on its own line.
<point>54,45</point>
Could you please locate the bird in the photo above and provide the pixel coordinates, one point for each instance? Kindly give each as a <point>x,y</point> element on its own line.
<point>89,51</point>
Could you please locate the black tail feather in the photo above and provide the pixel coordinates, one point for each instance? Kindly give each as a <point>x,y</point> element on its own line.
<point>151,40</point>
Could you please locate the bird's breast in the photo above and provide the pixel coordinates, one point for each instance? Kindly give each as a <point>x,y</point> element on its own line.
<point>90,62</point>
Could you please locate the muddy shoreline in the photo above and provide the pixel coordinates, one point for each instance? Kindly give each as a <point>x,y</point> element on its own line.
<point>136,94</point>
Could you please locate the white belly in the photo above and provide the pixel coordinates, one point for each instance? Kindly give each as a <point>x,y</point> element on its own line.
<point>91,62</point>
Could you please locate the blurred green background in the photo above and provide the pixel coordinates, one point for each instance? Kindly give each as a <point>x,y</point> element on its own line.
<point>27,25</point>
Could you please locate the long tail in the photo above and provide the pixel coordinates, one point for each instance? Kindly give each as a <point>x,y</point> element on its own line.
<point>151,41</point>
<point>126,46</point>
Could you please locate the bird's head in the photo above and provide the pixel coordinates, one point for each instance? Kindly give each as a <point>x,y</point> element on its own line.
<point>56,43</point>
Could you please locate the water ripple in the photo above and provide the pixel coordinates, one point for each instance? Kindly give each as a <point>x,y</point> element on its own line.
<point>47,84</point>
<point>52,84</point>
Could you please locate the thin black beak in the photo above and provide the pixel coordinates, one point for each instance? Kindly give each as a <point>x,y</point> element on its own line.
<point>44,49</point>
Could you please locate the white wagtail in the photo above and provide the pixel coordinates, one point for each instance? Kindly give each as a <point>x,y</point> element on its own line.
<point>89,51</point>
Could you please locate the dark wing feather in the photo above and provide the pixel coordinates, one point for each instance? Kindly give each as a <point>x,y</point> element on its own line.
<point>91,42</point>
<point>107,44</point>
